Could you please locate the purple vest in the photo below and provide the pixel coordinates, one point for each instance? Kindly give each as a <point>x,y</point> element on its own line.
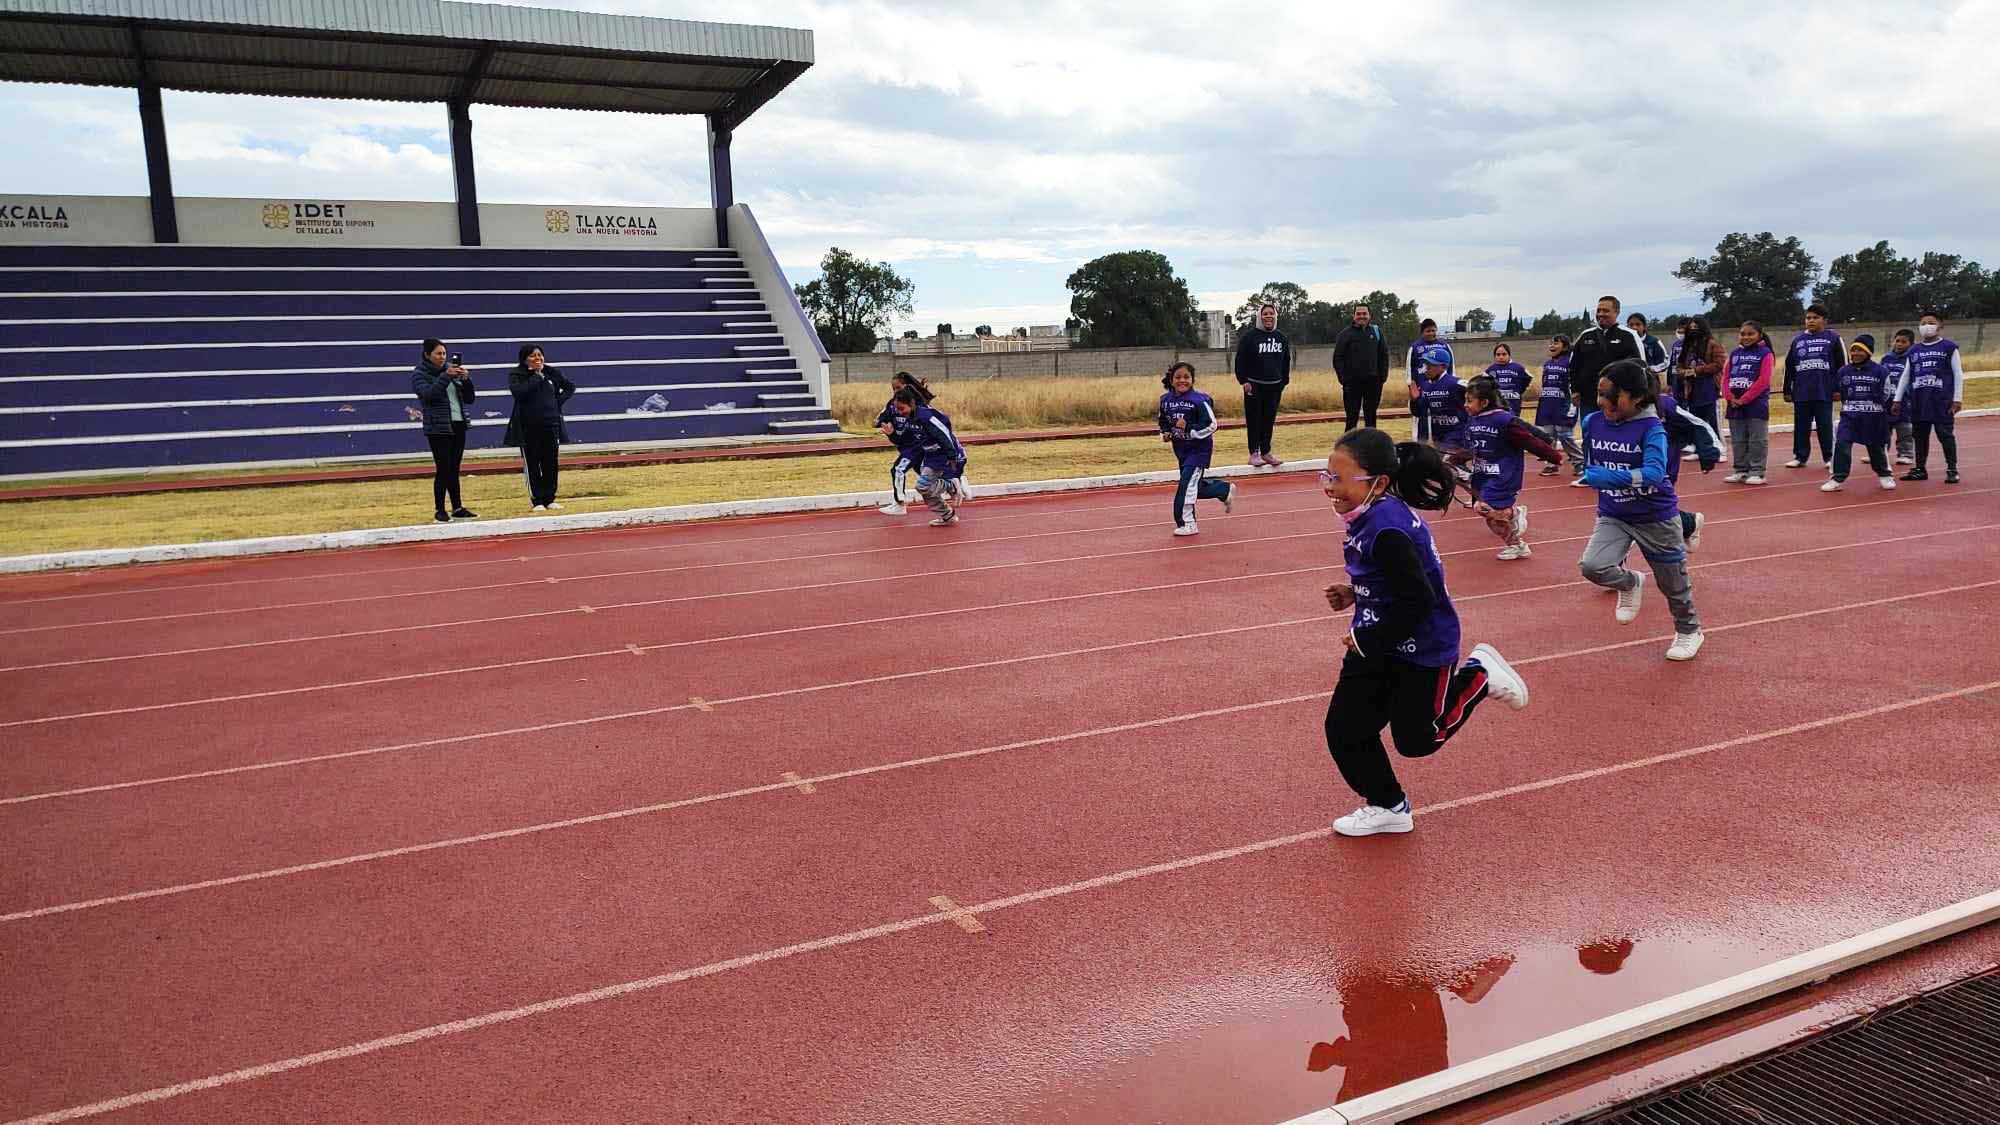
<point>1622,445</point>
<point>1495,464</point>
<point>1434,644</point>
<point>1817,358</point>
<point>1555,407</point>
<point>1741,375</point>
<point>1513,380</point>
<point>1444,400</point>
<point>1929,396</point>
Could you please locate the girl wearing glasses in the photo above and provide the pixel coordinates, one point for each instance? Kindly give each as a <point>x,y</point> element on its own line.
<point>1401,668</point>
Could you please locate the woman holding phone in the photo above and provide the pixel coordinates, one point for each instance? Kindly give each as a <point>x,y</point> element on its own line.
<point>537,424</point>
<point>445,388</point>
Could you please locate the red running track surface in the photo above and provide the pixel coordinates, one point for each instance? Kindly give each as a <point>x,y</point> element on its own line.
<point>836,818</point>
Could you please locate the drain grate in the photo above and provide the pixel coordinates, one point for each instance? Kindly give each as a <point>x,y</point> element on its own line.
<point>1933,1060</point>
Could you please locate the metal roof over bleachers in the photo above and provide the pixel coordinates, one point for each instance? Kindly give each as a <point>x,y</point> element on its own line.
<point>405,50</point>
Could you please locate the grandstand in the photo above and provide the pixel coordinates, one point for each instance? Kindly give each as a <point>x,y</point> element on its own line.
<point>163,332</point>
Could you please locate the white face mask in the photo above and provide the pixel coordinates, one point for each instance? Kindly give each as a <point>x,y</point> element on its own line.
<point>1927,331</point>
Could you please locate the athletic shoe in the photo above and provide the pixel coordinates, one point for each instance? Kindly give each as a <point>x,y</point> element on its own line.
<point>1514,551</point>
<point>963,487</point>
<point>1685,646</point>
<point>1830,486</point>
<point>1229,498</point>
<point>441,517</point>
<point>1694,537</point>
<point>1628,600</point>
<point>541,507</point>
<point>1690,456</point>
<point>1520,522</point>
<point>1502,682</point>
<point>1369,820</point>
<point>1187,529</point>
<point>1888,483</point>
<point>1733,478</point>
<point>554,507</point>
<point>945,520</point>
<point>1905,459</point>
<point>1754,478</point>
<point>1917,474</point>
<point>1795,463</point>
<point>1550,470</point>
<point>1951,476</point>
<point>893,510</point>
<point>1256,460</point>
<point>1579,483</point>
<point>463,514</point>
<point>1271,462</point>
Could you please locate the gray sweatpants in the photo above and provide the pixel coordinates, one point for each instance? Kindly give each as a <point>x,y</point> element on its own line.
<point>1749,445</point>
<point>1665,551</point>
<point>933,490</point>
<point>1906,439</point>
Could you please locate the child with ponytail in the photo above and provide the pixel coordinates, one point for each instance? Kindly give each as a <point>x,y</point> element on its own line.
<point>909,447</point>
<point>1187,421</point>
<point>1401,668</point>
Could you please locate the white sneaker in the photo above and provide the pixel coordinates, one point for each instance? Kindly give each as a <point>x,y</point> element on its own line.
<point>1187,529</point>
<point>1520,521</point>
<point>554,507</point>
<point>945,520</point>
<point>1831,485</point>
<point>893,510</point>
<point>1685,646</point>
<point>1694,537</point>
<point>1514,551</point>
<point>1795,463</point>
<point>541,508</point>
<point>1690,456</point>
<point>1368,820</point>
<point>1229,498</point>
<point>1579,483</point>
<point>1905,459</point>
<point>1888,483</point>
<point>1754,478</point>
<point>1628,600</point>
<point>1502,682</point>
<point>1733,478</point>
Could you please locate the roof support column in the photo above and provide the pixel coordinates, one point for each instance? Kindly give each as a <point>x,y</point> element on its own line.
<point>159,171</point>
<point>721,188</point>
<point>464,190</point>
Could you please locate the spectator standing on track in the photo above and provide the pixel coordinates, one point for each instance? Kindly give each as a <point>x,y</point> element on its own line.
<point>445,389</point>
<point>1685,431</point>
<point>1427,351</point>
<point>1511,378</point>
<point>1698,374</point>
<point>1897,361</point>
<point>1187,420</point>
<point>909,449</point>
<point>1264,367</point>
<point>1863,390</point>
<point>536,425</point>
<point>1595,348</point>
<point>943,456</point>
<point>1812,364</point>
<point>1555,411</point>
<point>1930,394</point>
<point>1401,667</point>
<point>1636,505</point>
<point>1747,389</point>
<point>1655,357</point>
<point>1361,364</point>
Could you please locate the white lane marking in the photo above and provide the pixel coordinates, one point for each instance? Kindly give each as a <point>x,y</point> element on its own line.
<point>799,783</point>
<point>960,917</point>
<point>851,937</point>
<point>793,780</point>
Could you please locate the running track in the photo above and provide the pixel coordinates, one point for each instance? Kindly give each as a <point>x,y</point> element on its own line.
<point>837,818</point>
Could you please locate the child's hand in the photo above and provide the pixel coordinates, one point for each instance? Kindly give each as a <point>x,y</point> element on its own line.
<point>1180,423</point>
<point>1347,641</point>
<point>1340,596</point>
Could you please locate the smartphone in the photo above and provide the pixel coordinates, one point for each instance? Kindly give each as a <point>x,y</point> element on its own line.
<point>457,360</point>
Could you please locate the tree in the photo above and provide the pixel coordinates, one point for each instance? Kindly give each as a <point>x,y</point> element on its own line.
<point>1132,299</point>
<point>1290,298</point>
<point>909,333</point>
<point>1870,284</point>
<point>1553,323</point>
<point>1478,320</point>
<point>853,299</point>
<point>1946,284</point>
<point>1397,319</point>
<point>1514,325</point>
<point>983,330</point>
<point>1987,299</point>
<point>1315,322</point>
<point>1756,277</point>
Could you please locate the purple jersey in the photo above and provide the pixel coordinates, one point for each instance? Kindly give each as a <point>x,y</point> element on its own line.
<point>1813,359</point>
<point>1190,418</point>
<point>1556,409</point>
<point>1444,400</point>
<point>1864,403</point>
<point>1741,374</point>
<point>1928,397</point>
<point>1513,380</point>
<point>1622,446</point>
<point>1434,643</point>
<point>1495,465</point>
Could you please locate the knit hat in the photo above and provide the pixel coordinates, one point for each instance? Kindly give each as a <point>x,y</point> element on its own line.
<point>1863,341</point>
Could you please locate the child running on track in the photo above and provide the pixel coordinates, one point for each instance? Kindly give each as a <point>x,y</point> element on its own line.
<point>1187,420</point>
<point>1401,667</point>
<point>1428,351</point>
<point>1511,377</point>
<point>1441,395</point>
<point>1554,412</point>
<point>909,451</point>
<point>943,457</point>
<point>1863,390</point>
<point>1493,443</point>
<point>1629,454</point>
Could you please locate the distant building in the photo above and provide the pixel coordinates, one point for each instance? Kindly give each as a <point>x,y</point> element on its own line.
<point>1041,338</point>
<point>1212,328</point>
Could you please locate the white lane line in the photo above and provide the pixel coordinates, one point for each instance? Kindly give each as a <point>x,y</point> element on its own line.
<point>700,704</point>
<point>799,783</point>
<point>651,603</point>
<point>960,917</point>
<point>640,650</point>
<point>851,937</point>
<point>793,781</point>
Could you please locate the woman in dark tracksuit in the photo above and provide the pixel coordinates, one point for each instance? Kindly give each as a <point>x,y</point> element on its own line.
<point>446,390</point>
<point>537,424</point>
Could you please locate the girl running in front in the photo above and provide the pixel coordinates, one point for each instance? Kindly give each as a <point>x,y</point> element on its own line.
<point>1187,420</point>
<point>1510,377</point>
<point>1493,442</point>
<point>909,451</point>
<point>1863,390</point>
<point>1746,387</point>
<point>1555,414</point>
<point>943,457</point>
<point>1627,444</point>
<point>1401,667</point>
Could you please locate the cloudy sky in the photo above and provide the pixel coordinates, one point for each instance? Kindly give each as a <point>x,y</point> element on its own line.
<point>1462,154</point>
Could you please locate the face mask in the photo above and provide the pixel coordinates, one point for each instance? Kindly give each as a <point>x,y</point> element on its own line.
<point>1348,517</point>
<point>1927,331</point>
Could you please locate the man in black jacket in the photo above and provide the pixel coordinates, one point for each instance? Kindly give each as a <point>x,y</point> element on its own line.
<point>1264,367</point>
<point>1598,346</point>
<point>1361,363</point>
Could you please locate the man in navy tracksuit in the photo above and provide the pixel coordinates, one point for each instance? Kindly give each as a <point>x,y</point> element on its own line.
<point>1812,371</point>
<point>1264,367</point>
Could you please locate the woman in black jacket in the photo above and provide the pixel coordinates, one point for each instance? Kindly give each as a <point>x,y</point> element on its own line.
<point>446,390</point>
<point>537,424</point>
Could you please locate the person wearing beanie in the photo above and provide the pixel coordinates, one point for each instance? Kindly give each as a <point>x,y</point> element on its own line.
<point>1264,367</point>
<point>1863,390</point>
